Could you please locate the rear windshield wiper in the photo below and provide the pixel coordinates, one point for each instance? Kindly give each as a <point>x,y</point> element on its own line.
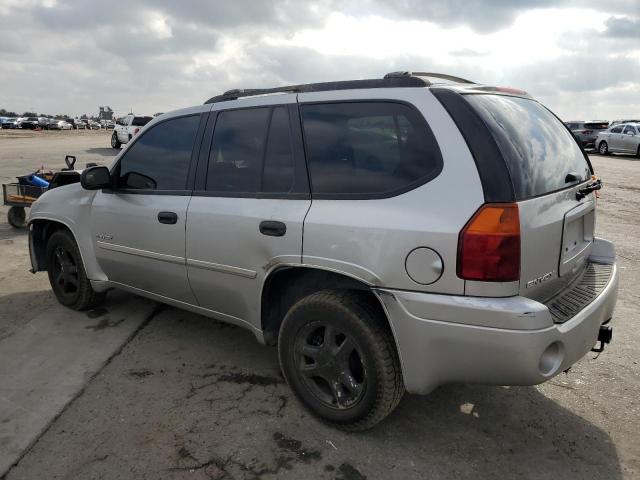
<point>592,187</point>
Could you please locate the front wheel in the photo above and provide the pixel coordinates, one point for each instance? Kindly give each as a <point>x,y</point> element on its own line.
<point>115,143</point>
<point>339,358</point>
<point>67,275</point>
<point>603,148</point>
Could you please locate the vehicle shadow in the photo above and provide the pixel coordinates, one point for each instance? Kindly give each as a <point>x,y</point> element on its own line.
<point>214,402</point>
<point>629,157</point>
<point>105,152</point>
<point>7,232</point>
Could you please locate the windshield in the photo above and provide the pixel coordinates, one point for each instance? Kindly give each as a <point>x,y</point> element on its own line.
<point>538,148</point>
<point>140,121</point>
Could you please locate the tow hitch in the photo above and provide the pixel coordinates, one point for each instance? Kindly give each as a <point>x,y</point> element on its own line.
<point>604,337</point>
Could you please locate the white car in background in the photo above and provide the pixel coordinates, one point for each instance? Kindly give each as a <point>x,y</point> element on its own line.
<point>126,128</point>
<point>623,138</point>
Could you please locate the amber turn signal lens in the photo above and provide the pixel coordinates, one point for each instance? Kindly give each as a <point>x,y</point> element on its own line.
<point>489,244</point>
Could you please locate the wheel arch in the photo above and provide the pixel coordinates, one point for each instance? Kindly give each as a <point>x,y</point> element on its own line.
<point>285,285</point>
<point>40,230</point>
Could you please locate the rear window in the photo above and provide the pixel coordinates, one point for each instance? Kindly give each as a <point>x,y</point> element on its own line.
<point>538,148</point>
<point>596,125</point>
<point>368,149</point>
<point>140,121</point>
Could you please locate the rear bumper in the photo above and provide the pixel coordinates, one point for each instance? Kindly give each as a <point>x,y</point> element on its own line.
<point>516,344</point>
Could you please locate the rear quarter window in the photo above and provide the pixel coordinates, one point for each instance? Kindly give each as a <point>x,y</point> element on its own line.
<point>140,121</point>
<point>368,149</point>
<point>538,149</point>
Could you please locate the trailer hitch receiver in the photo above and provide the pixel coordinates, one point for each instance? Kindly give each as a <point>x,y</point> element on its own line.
<point>604,337</point>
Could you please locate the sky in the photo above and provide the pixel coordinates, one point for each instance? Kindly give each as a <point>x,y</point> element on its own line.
<point>581,58</point>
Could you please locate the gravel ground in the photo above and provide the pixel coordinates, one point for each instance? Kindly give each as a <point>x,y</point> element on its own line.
<point>189,397</point>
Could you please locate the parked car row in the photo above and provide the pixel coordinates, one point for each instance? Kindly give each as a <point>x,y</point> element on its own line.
<point>45,123</point>
<point>619,136</point>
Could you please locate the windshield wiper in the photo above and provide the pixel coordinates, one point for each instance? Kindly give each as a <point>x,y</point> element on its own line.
<point>592,187</point>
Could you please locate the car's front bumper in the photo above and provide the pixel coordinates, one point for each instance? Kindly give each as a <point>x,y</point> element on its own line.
<point>498,341</point>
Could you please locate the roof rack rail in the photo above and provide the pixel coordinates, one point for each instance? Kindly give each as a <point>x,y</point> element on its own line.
<point>399,81</point>
<point>422,75</point>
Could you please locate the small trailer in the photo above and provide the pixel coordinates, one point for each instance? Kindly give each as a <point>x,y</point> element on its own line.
<point>21,194</point>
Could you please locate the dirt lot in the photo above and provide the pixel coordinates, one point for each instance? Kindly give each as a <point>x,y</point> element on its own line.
<point>188,397</point>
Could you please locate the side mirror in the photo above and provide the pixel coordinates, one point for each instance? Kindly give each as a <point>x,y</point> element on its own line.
<point>95,178</point>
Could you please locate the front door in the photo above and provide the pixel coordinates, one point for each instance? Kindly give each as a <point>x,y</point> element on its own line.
<point>247,212</point>
<point>139,227</point>
<point>615,138</point>
<point>629,140</point>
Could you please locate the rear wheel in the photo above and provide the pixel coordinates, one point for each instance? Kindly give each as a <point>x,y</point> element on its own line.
<point>67,275</point>
<point>16,217</point>
<point>603,148</point>
<point>340,360</point>
<point>115,143</point>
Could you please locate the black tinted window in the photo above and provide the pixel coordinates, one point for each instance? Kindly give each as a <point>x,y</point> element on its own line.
<point>159,160</point>
<point>278,161</point>
<point>368,148</point>
<point>539,150</point>
<point>235,161</point>
<point>616,129</point>
<point>140,121</point>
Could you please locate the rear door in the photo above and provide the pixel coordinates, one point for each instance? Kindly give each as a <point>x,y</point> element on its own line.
<point>547,168</point>
<point>248,208</point>
<point>138,228</point>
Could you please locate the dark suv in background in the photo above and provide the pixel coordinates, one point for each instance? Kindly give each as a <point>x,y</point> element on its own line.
<point>587,132</point>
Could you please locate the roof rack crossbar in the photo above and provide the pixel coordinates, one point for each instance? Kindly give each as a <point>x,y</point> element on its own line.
<point>399,81</point>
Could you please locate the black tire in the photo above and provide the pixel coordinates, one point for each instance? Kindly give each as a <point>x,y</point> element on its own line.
<point>603,148</point>
<point>67,275</point>
<point>17,217</point>
<point>638,152</point>
<point>115,143</point>
<point>341,337</point>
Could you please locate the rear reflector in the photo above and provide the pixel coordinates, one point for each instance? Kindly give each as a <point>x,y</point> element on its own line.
<point>135,132</point>
<point>489,244</point>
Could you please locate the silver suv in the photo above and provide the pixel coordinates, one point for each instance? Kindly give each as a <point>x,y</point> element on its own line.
<point>386,234</point>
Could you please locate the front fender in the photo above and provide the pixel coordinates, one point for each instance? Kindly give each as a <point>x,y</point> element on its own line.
<point>69,206</point>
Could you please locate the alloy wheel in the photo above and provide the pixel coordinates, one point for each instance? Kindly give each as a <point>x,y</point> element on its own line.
<point>65,271</point>
<point>330,365</point>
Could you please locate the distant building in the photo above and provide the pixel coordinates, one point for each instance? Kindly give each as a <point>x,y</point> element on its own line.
<point>105,113</point>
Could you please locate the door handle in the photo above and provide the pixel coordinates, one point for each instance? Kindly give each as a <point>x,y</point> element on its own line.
<point>273,228</point>
<point>168,217</point>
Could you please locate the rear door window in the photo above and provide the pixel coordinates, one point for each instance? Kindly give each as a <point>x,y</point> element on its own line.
<point>538,148</point>
<point>252,152</point>
<point>236,151</point>
<point>368,149</point>
<point>628,130</point>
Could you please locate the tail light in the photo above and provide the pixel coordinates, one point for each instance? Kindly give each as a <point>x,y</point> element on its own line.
<point>136,131</point>
<point>489,244</point>
<point>587,132</point>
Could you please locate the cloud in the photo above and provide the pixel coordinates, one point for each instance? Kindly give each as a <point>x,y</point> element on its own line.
<point>157,55</point>
<point>623,27</point>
